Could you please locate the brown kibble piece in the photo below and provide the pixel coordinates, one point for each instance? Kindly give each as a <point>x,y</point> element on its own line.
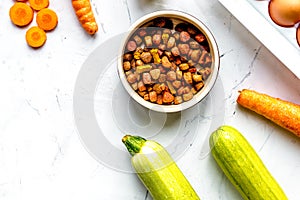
<point>127,57</point>
<point>171,76</point>
<point>188,96</point>
<point>176,84</point>
<point>179,74</point>
<point>205,72</point>
<point>175,51</point>
<point>194,91</point>
<point>197,78</point>
<point>184,36</point>
<point>195,55</point>
<point>142,32</point>
<point>148,41</point>
<point>187,76</point>
<point>155,73</point>
<point>184,66</point>
<point>126,66</point>
<point>141,86</point>
<point>134,86</point>
<point>186,89</point>
<point>163,87</point>
<point>137,39</point>
<point>131,45</point>
<point>199,85</point>
<point>192,30</point>
<point>200,38</point>
<point>194,44</point>
<point>146,97</point>
<point>165,38</point>
<point>147,78</point>
<point>184,48</point>
<point>162,78</point>
<point>181,27</point>
<point>146,57</point>
<point>178,100</point>
<point>171,88</point>
<point>171,42</point>
<point>143,68</point>
<point>165,62</point>
<point>157,88</point>
<point>156,39</point>
<point>131,78</point>
<point>139,63</point>
<point>180,90</point>
<point>142,93</point>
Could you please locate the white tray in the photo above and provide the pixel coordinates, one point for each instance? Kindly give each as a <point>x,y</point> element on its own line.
<point>280,41</point>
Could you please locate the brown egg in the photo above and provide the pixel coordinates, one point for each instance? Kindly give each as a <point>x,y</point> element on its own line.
<point>285,13</point>
<point>298,35</point>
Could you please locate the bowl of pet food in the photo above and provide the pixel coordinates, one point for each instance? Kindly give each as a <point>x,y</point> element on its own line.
<point>168,61</point>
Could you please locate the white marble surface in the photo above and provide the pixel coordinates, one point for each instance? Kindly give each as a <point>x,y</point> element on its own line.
<point>41,153</point>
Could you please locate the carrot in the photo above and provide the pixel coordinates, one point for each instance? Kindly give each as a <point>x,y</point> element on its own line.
<point>85,15</point>
<point>22,0</point>
<point>39,4</point>
<point>281,112</point>
<point>35,37</point>
<point>21,14</point>
<point>46,19</point>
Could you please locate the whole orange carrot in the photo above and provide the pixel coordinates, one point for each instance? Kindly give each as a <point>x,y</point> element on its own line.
<point>285,114</point>
<point>85,15</point>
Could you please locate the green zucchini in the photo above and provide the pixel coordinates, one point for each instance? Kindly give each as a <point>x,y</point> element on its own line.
<point>242,166</point>
<point>157,170</point>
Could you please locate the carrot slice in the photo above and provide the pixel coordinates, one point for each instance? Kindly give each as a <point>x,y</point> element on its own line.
<point>39,4</point>
<point>21,14</point>
<point>35,37</point>
<point>46,19</point>
<point>281,112</point>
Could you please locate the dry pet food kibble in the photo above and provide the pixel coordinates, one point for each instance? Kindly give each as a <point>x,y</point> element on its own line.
<point>166,63</point>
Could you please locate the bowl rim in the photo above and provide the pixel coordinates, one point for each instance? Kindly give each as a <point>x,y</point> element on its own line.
<point>214,50</point>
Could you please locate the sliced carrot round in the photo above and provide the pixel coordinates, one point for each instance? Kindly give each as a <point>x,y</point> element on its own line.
<point>21,14</point>
<point>39,4</point>
<point>35,37</point>
<point>46,19</point>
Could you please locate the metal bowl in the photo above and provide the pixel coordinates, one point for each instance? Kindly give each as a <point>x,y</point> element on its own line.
<point>176,17</point>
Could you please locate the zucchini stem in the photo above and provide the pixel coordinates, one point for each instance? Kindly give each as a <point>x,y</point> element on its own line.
<point>133,143</point>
